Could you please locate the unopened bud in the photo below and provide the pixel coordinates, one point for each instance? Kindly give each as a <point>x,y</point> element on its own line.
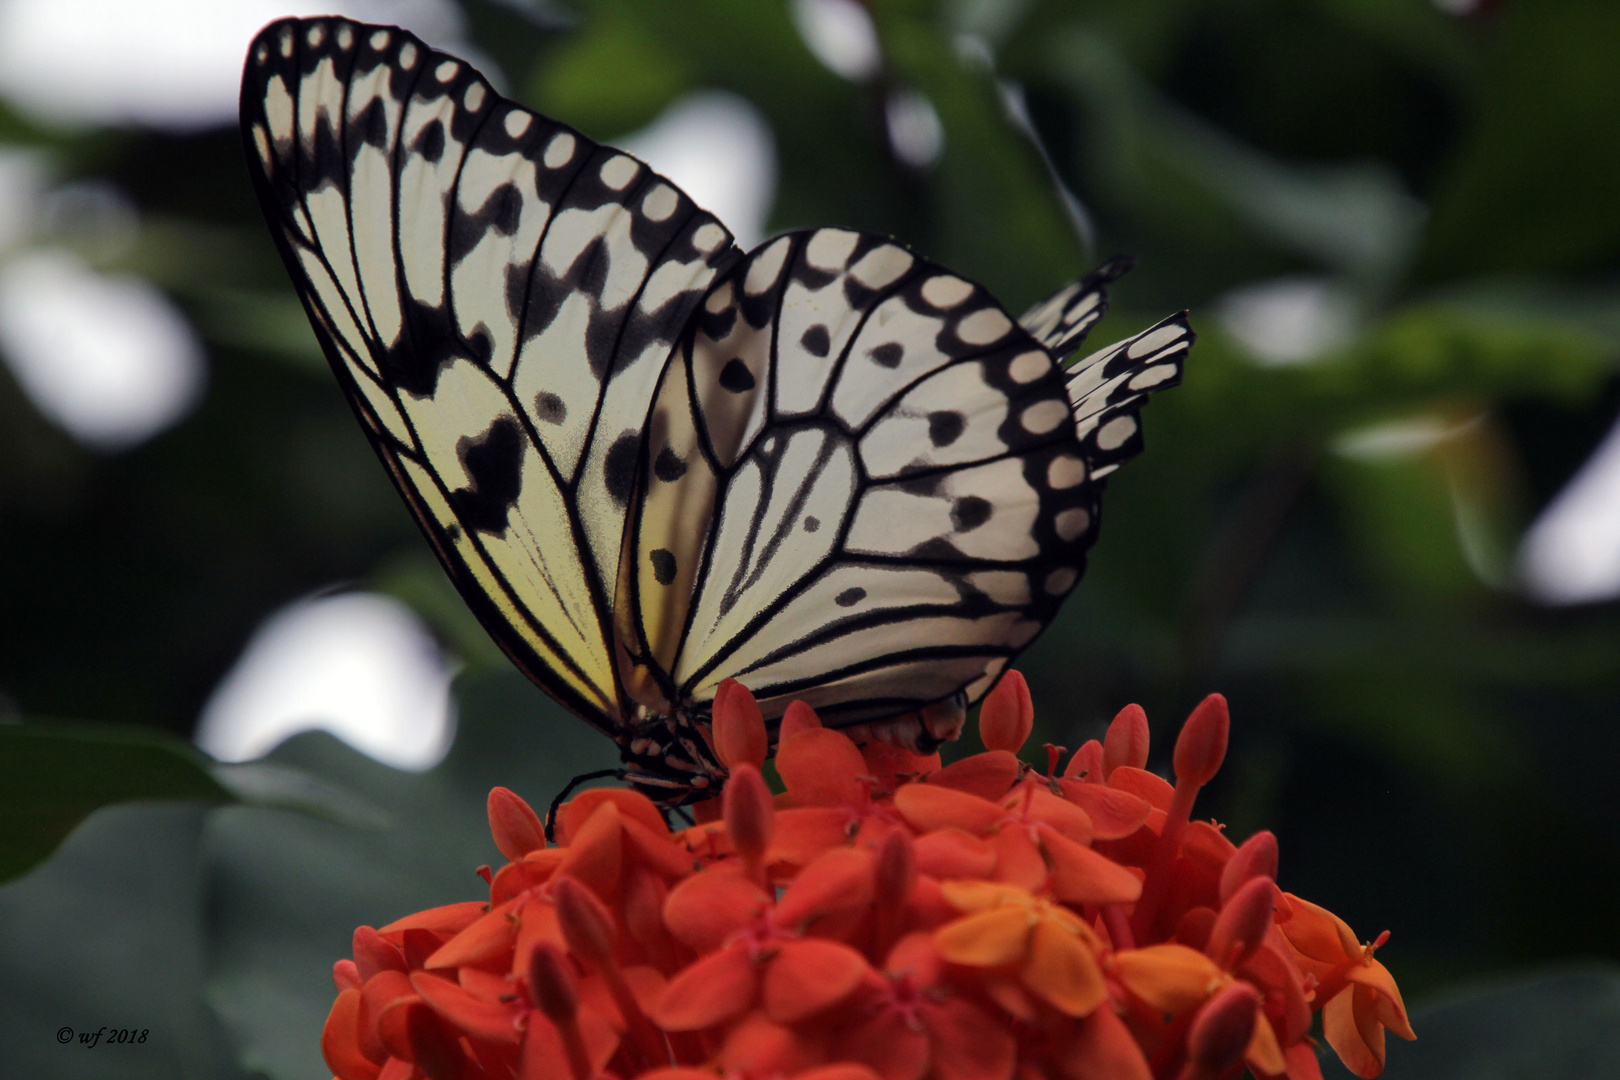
<point>514,824</point>
<point>1242,924</point>
<point>1127,740</point>
<point>1201,746</point>
<point>739,727</point>
<point>1087,762</point>
<point>373,953</point>
<point>896,873</point>
<point>749,814</point>
<point>586,924</point>
<point>1007,716</point>
<point>1256,857</point>
<point>799,717</point>
<point>551,984</point>
<point>1221,1032</point>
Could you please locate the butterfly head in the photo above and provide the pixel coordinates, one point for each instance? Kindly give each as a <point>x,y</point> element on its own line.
<point>668,758</point>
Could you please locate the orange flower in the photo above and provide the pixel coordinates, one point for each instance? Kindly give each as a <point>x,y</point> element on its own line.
<point>884,918</point>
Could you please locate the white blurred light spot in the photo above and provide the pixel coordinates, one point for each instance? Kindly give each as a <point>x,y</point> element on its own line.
<point>1395,439</point>
<point>359,665</point>
<point>109,359</point>
<point>1571,555</point>
<point>1289,320</point>
<point>719,149</point>
<point>1459,7</point>
<point>165,63</point>
<point>915,131</point>
<point>840,34</point>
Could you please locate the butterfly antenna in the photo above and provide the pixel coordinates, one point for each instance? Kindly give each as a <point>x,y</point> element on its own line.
<point>551,815</point>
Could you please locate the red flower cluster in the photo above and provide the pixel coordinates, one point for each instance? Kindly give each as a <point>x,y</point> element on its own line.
<point>883,919</point>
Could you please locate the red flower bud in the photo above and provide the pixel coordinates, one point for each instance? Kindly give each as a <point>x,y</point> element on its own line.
<point>1127,740</point>
<point>739,727</point>
<point>373,954</point>
<point>1201,747</point>
<point>514,823</point>
<point>1242,923</point>
<point>1087,762</point>
<point>799,717</point>
<point>749,816</point>
<point>1221,1032</point>
<point>1257,857</point>
<point>586,924</point>
<point>551,983</point>
<point>1007,716</point>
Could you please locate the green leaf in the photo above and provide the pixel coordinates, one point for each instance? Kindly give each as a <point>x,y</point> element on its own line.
<point>52,776</point>
<point>646,76</point>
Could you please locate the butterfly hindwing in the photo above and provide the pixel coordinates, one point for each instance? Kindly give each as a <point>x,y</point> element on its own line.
<point>862,487</point>
<point>498,296</point>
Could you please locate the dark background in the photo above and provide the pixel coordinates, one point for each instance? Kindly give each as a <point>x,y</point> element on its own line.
<point>1433,746</point>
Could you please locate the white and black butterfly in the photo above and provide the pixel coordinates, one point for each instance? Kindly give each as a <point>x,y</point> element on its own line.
<point>828,468</point>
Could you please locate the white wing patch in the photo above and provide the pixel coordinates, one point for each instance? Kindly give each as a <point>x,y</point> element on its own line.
<point>498,296</point>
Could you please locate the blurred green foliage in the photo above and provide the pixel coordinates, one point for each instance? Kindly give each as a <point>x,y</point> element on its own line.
<point>1434,749</point>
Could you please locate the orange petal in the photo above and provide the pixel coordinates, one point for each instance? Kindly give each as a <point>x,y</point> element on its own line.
<point>706,909</point>
<point>478,1018</point>
<point>1391,1009</point>
<point>968,1043</point>
<point>712,990</point>
<point>804,832</point>
<point>525,874</point>
<point>1062,969</point>
<point>928,807</point>
<point>1316,933</point>
<point>1143,784</point>
<point>1359,1044</point>
<point>656,848</point>
<point>952,853</point>
<point>840,880</point>
<point>893,766</point>
<point>1171,978</point>
<point>1114,813</point>
<point>1018,860</point>
<point>537,924</point>
<point>1264,1053</point>
<point>810,975</point>
<point>819,767</point>
<point>631,804</point>
<point>1102,1046</point>
<point>596,851</point>
<point>514,824</point>
<point>449,919</point>
<point>1082,876</point>
<point>889,1045</point>
<point>761,1047</point>
<point>1087,763</point>
<point>340,1040</point>
<point>1059,814</point>
<point>489,938</point>
<point>985,938</point>
<point>982,895</point>
<point>988,775</point>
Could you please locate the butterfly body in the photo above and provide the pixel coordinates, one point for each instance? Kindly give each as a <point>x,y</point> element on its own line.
<point>828,468</point>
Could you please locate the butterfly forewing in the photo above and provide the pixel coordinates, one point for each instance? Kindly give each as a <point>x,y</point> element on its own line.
<point>862,488</point>
<point>498,296</point>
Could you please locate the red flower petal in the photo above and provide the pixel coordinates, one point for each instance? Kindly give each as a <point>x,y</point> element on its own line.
<point>819,767</point>
<point>808,976</point>
<point>478,1018</point>
<point>706,909</point>
<point>1114,812</point>
<point>596,850</point>
<point>759,1047</point>
<point>840,880</point>
<point>631,804</point>
<point>1143,784</point>
<point>804,832</point>
<point>928,807</point>
<point>988,775</point>
<point>1018,860</point>
<point>888,1044</point>
<point>490,938</point>
<point>340,1040</point>
<point>1082,876</point>
<point>893,765</point>
<point>952,853</point>
<point>1102,1046</point>
<point>449,919</point>
<point>710,991</point>
<point>968,1043</point>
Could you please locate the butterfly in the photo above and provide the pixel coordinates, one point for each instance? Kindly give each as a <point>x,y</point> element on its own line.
<point>828,468</point>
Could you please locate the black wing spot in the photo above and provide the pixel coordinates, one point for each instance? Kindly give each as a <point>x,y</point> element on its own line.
<point>945,426</point>
<point>969,512</point>
<point>430,142</point>
<point>663,564</point>
<point>888,355</point>
<point>620,466</point>
<point>453,531</point>
<point>494,464</point>
<point>550,408</point>
<point>503,208</point>
<point>812,523</point>
<point>850,597</point>
<point>816,341</point>
<point>736,377</point>
<point>668,465</point>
